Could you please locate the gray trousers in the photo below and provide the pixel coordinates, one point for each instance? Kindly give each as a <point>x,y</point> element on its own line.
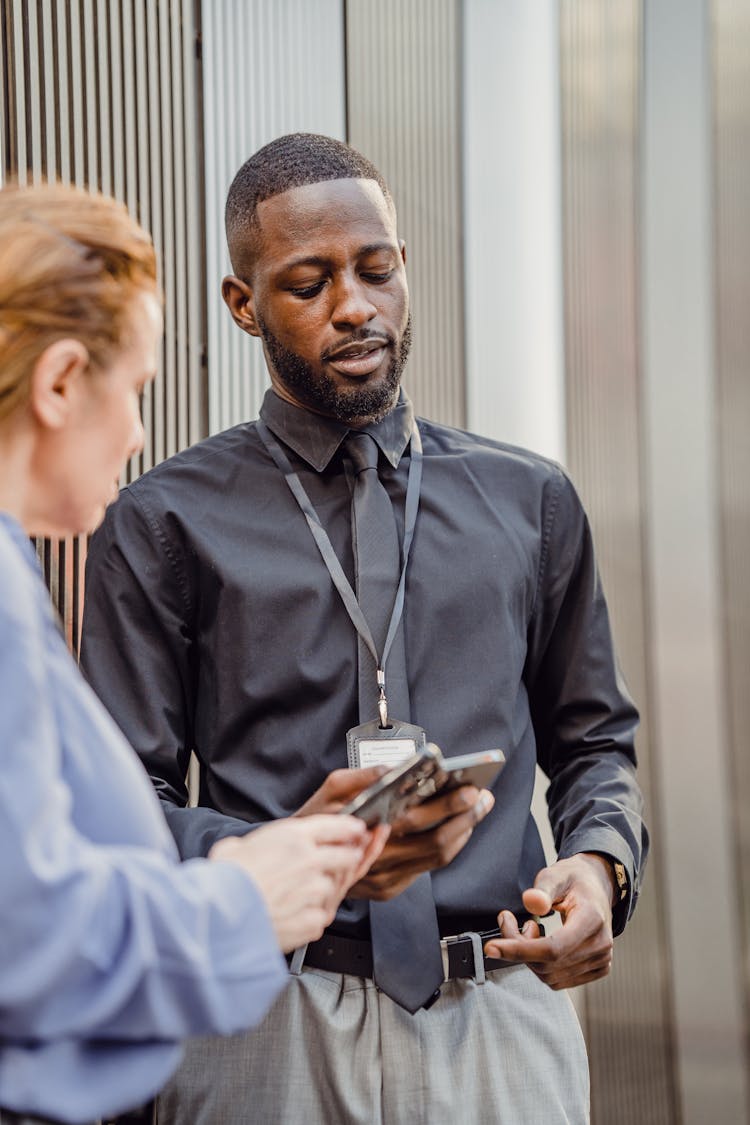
<point>334,1050</point>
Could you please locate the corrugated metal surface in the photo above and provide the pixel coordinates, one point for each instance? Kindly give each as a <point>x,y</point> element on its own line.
<point>270,67</point>
<point>512,215</point>
<point>628,1016</point>
<point>106,92</point>
<point>103,93</point>
<point>688,651</point>
<point>404,113</point>
<point>731,31</point>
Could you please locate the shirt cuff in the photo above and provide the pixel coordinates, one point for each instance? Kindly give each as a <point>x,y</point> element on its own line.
<point>613,848</point>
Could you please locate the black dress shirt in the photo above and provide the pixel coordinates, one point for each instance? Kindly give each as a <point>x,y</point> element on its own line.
<point>212,625</point>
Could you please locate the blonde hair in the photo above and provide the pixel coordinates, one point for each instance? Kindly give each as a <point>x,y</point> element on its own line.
<point>71,262</point>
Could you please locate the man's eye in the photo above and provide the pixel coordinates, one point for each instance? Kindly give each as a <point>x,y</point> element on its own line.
<point>378,278</point>
<point>306,291</point>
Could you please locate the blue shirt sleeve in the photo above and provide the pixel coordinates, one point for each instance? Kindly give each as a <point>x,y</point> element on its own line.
<point>107,937</point>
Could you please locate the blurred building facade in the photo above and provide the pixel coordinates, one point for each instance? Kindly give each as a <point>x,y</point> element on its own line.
<point>572,179</point>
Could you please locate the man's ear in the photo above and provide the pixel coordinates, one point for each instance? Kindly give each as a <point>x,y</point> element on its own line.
<point>238,297</point>
<point>402,247</point>
<point>55,380</point>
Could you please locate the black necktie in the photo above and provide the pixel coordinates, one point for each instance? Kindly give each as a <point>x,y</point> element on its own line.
<point>405,937</point>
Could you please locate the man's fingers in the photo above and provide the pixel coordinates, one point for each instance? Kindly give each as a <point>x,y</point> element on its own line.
<point>430,814</point>
<point>515,949</point>
<point>552,958</point>
<point>425,851</point>
<point>525,949</point>
<point>573,943</point>
<point>572,976</point>
<point>483,805</point>
<point>547,958</point>
<point>578,951</point>
<point>338,788</point>
<point>345,784</point>
<point>508,924</point>
<point>407,855</point>
<point>378,889</point>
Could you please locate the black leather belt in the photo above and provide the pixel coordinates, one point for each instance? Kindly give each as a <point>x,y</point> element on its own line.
<point>352,955</point>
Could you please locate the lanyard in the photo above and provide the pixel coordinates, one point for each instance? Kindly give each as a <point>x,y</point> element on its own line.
<point>339,579</point>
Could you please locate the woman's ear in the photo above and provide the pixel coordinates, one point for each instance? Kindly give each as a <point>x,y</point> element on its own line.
<point>238,297</point>
<point>55,379</point>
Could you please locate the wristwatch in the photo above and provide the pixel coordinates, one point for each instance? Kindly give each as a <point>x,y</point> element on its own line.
<point>621,878</point>
<point>619,872</point>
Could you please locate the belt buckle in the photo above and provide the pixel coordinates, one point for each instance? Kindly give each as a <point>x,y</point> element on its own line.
<point>444,954</point>
<point>298,960</point>
<point>479,974</point>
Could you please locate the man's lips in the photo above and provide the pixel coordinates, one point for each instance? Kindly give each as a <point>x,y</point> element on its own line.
<point>359,358</point>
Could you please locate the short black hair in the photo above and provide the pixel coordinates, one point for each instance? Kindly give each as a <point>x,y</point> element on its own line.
<point>287,162</point>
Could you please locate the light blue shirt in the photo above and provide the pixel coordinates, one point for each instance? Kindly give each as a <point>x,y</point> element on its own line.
<point>111,951</point>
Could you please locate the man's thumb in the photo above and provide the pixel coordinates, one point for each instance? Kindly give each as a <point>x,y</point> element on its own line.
<point>539,898</point>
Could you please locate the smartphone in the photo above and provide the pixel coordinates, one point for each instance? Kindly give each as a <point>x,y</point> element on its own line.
<point>478,769</point>
<point>421,777</point>
<point>407,784</point>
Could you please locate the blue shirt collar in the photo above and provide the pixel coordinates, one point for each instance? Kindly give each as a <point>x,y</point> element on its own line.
<point>21,539</point>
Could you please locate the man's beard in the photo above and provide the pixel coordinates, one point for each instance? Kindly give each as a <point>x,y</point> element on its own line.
<point>321,393</point>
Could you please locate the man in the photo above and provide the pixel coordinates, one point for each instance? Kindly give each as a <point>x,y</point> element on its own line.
<point>218,620</point>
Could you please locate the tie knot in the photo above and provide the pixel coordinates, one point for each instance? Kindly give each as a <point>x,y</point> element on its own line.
<point>363,450</point>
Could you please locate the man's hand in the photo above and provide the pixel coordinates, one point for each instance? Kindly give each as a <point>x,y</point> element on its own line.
<point>582,890</point>
<point>426,837</point>
<point>303,868</point>
<point>340,787</point>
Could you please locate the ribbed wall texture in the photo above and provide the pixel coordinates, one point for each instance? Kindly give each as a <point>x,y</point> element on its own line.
<point>731,32</point>
<point>404,112</point>
<point>102,93</point>
<point>270,67</point>
<point>627,1016</point>
<point>107,93</point>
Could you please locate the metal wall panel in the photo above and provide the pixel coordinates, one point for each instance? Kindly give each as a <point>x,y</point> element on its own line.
<point>512,217</point>
<point>627,1016</point>
<point>404,113</point>
<point>731,83</point>
<point>512,243</point>
<point>270,67</point>
<point>688,643</point>
<point>103,93</point>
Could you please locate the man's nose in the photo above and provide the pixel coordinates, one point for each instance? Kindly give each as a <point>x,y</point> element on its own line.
<point>353,306</point>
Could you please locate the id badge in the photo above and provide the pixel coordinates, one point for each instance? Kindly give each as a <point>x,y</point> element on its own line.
<point>369,744</point>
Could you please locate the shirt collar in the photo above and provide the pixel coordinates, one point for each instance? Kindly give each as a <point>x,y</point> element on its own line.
<point>315,439</point>
<point>20,538</point>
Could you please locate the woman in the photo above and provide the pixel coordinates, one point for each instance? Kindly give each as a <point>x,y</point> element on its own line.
<point>111,951</point>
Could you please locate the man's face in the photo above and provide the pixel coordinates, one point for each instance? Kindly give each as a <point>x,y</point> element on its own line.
<point>328,297</point>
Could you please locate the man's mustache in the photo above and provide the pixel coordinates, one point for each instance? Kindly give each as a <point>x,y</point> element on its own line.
<point>357,337</point>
